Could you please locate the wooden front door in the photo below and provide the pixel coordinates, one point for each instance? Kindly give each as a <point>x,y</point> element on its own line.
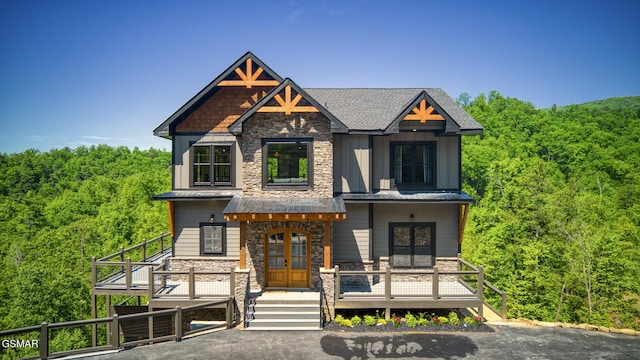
<point>287,258</point>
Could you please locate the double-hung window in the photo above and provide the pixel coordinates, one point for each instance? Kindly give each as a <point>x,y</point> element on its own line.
<point>212,165</point>
<point>212,238</point>
<point>412,245</point>
<point>287,163</point>
<point>413,164</point>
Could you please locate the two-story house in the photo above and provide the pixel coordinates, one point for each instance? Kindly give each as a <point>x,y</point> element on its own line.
<point>289,182</point>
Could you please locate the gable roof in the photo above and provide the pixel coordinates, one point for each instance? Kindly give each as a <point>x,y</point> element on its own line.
<point>164,130</point>
<point>380,110</point>
<point>337,126</point>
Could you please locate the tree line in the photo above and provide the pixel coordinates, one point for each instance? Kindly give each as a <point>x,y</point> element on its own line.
<point>57,210</point>
<point>556,221</point>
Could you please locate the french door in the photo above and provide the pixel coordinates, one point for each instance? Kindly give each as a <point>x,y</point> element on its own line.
<point>287,258</point>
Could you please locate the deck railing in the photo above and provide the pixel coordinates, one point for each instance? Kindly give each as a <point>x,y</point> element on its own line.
<point>116,264</point>
<point>41,335</point>
<point>190,284</point>
<point>403,287</point>
<point>493,297</point>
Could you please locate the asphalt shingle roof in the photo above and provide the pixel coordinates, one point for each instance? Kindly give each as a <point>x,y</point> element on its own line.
<point>369,109</point>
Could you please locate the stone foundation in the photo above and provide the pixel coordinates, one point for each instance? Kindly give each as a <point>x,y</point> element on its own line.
<point>328,278</point>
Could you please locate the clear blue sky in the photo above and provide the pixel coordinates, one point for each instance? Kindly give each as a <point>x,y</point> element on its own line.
<point>90,72</point>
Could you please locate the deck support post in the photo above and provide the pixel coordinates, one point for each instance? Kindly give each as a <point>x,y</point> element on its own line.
<point>178,323</point>
<point>229,312</point>
<point>112,333</point>
<point>435,283</point>
<point>107,302</point>
<point>44,341</point>
<point>94,327</point>
<point>387,292</point>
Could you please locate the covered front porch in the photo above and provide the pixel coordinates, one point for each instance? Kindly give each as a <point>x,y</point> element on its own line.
<point>284,241</point>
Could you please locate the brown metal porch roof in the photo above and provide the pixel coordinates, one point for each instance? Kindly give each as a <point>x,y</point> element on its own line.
<point>242,208</point>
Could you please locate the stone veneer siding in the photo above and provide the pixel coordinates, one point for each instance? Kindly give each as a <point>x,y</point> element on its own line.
<point>271,126</point>
<point>255,248</point>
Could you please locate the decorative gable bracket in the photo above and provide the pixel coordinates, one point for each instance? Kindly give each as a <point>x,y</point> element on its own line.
<point>248,77</point>
<point>288,98</point>
<point>423,113</point>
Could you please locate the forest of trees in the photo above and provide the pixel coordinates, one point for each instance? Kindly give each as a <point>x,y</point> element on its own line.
<point>60,208</point>
<point>556,221</point>
<point>557,216</point>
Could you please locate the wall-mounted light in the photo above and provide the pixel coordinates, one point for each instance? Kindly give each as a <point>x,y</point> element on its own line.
<point>213,218</point>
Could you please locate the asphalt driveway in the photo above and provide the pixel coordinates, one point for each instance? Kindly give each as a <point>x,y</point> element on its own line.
<point>507,342</point>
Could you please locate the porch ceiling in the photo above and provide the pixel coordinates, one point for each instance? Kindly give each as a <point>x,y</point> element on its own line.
<point>288,209</point>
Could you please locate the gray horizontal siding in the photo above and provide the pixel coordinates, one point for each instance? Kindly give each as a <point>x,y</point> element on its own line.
<point>444,215</point>
<point>351,236</point>
<point>189,215</point>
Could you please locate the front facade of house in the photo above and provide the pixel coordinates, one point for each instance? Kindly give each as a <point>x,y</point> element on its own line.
<point>288,183</point>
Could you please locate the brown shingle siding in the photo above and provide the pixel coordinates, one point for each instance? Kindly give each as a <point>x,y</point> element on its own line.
<point>222,109</point>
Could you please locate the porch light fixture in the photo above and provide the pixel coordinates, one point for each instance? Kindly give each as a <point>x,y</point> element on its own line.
<point>213,218</point>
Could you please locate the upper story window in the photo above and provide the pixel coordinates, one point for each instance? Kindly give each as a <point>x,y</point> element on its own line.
<point>212,165</point>
<point>287,163</point>
<point>413,164</point>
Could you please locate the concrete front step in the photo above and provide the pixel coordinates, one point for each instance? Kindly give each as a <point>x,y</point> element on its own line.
<point>262,307</point>
<point>286,310</point>
<point>307,315</point>
<point>284,324</point>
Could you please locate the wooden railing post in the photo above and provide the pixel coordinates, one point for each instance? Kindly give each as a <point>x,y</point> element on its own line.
<point>435,289</point>
<point>151,284</point>
<point>127,274</point>
<point>232,282</point>
<point>115,332</point>
<point>94,272</point>
<point>192,284</point>
<point>480,290</point>
<point>144,249</point>
<point>43,345</point>
<point>161,242</point>
<point>387,292</point>
<point>229,312</point>
<point>337,282</point>
<point>504,305</point>
<point>178,323</point>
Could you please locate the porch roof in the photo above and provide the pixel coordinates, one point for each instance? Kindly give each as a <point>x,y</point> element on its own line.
<point>287,208</point>
<point>458,197</point>
<point>178,195</point>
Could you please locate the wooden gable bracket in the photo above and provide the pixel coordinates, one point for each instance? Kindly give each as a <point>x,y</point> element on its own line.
<point>249,78</point>
<point>423,113</point>
<point>288,105</point>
